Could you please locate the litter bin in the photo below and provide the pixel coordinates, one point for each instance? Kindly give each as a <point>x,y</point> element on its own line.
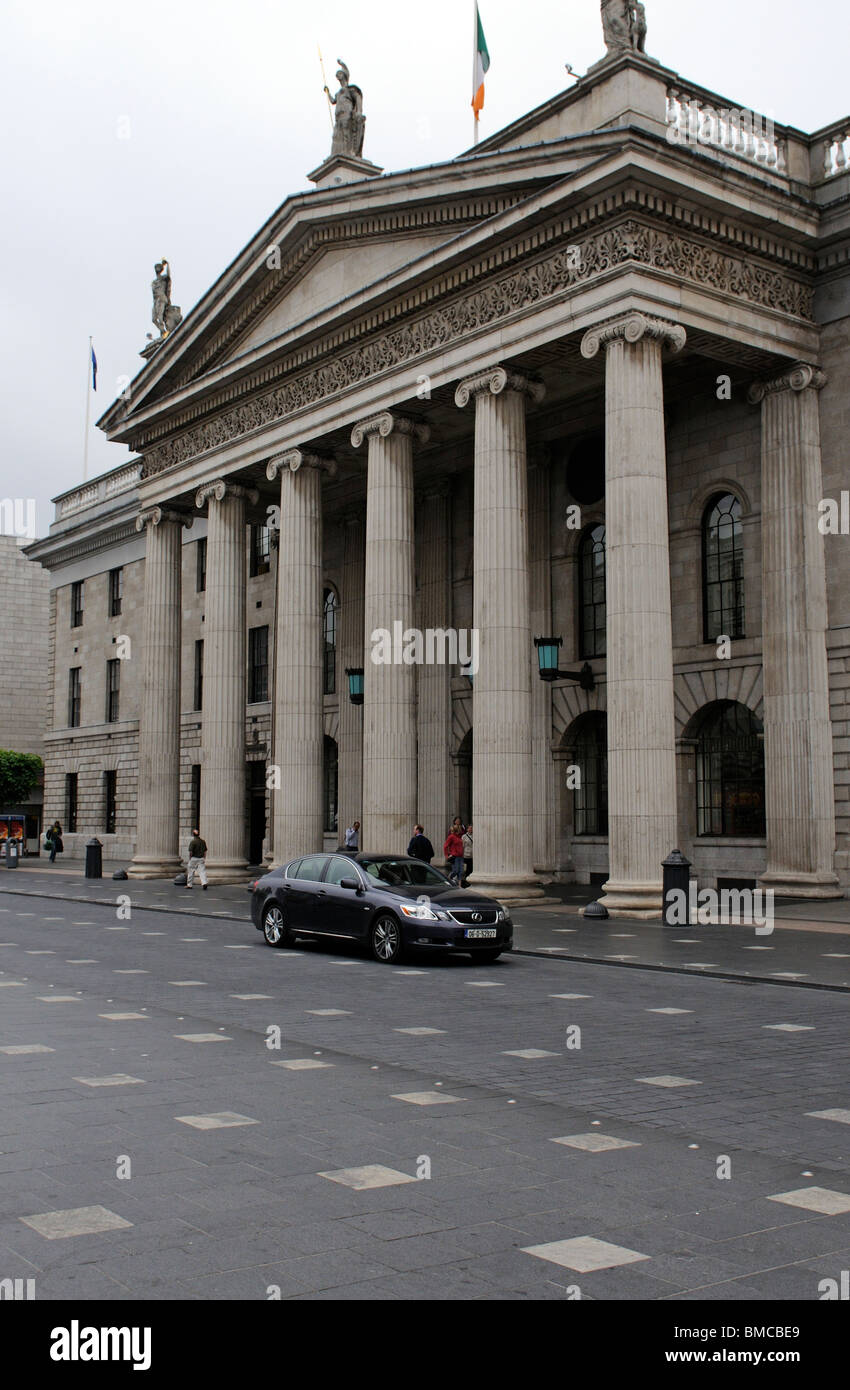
<point>94,859</point>
<point>13,853</point>
<point>677,877</point>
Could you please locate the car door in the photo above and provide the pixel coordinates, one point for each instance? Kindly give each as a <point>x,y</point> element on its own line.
<point>303,887</point>
<point>340,911</point>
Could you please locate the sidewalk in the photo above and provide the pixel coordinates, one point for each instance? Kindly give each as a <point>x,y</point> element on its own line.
<point>810,946</point>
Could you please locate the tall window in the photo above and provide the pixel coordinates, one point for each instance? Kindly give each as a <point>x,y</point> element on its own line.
<point>329,620</point>
<point>113,683</point>
<point>591,588</point>
<point>116,592</point>
<point>196,796</point>
<point>71,801</point>
<point>201,566</point>
<point>723,568</point>
<point>591,793</point>
<point>258,665</point>
<point>261,550</point>
<point>199,675</point>
<point>331,781</point>
<point>77,604</point>
<point>730,772</point>
<point>74,697</point>
<point>110,786</point>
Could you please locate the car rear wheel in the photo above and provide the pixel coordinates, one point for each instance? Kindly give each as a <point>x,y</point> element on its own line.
<point>385,939</point>
<point>486,957</point>
<point>275,931</point>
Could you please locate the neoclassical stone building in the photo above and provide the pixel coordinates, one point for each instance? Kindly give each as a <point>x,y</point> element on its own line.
<point>590,380</point>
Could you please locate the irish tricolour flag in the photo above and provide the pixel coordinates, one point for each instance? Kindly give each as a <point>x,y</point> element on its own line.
<point>480,67</point>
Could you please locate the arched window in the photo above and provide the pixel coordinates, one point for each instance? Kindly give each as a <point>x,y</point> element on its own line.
<point>730,772</point>
<point>331,783</point>
<point>723,568</point>
<point>591,592</point>
<point>329,620</point>
<point>590,756</point>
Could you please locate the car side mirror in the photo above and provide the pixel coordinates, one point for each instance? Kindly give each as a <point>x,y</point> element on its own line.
<point>352,883</point>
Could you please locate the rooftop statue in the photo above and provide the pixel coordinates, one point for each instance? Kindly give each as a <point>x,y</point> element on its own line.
<point>166,316</point>
<point>349,123</point>
<point>624,25</point>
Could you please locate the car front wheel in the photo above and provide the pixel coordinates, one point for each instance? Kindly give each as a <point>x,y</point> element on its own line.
<point>275,931</point>
<point>385,940</point>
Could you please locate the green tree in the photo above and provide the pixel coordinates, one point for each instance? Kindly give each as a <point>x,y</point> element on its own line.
<point>19,773</point>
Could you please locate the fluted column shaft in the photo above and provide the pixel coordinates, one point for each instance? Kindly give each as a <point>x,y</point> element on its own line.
<point>434,696</point>
<point>299,723</point>
<point>544,799</point>
<point>158,804</point>
<point>389,702</point>
<point>642,817</point>
<point>798,732</point>
<point>352,657</point>
<point>225,689</point>
<point>502,785</point>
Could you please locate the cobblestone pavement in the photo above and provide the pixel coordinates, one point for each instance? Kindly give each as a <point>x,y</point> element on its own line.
<point>428,1131</point>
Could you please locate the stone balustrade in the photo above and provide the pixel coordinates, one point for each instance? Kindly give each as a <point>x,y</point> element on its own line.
<point>836,151</point>
<point>102,489</point>
<point>736,131</point>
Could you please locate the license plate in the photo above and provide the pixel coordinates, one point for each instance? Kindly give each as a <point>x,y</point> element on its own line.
<point>475,933</point>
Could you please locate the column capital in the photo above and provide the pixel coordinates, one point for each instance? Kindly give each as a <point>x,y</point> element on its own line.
<point>387,423</point>
<point>631,328</point>
<point>797,378</point>
<point>153,516</point>
<point>496,380</point>
<point>221,488</point>
<point>299,458</point>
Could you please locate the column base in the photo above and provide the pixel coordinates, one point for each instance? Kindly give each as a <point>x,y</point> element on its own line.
<point>520,891</point>
<point>151,867</point>
<point>641,901</point>
<point>228,871</point>
<point>822,886</point>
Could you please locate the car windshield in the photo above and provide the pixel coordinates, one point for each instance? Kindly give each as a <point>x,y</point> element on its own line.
<point>403,872</point>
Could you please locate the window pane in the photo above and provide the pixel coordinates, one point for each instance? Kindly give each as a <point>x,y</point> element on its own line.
<point>730,773</point>
<point>311,868</point>
<point>591,585</point>
<point>723,569</point>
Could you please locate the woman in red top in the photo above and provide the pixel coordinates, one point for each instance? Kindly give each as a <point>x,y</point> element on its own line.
<point>453,850</point>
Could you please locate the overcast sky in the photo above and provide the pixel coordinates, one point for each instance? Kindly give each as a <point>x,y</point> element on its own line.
<point>175,128</point>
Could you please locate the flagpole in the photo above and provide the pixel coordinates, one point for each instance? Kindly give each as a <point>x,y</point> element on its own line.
<point>88,415</point>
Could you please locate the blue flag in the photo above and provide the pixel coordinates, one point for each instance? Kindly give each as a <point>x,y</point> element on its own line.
<point>93,370</point>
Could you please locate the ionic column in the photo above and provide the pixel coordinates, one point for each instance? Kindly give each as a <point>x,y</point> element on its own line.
<point>641,728</point>
<point>225,684</point>
<point>299,729</point>
<point>502,782</point>
<point>797,729</point>
<point>434,690</point>
<point>543,767</point>
<point>158,799</point>
<point>389,704</point>
<point>351,657</point>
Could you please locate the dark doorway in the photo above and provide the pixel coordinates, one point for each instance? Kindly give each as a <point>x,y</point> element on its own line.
<point>464,779</point>
<point>256,811</point>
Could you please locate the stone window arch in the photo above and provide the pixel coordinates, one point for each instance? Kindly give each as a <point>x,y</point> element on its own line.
<point>723,567</point>
<point>729,741</point>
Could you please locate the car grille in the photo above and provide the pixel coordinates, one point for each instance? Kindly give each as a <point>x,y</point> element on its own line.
<point>483,917</point>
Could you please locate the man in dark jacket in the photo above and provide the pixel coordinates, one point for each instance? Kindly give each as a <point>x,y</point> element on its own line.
<point>420,846</point>
<point>197,860</point>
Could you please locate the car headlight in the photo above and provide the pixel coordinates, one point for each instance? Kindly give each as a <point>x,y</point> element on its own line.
<point>501,915</point>
<point>423,913</point>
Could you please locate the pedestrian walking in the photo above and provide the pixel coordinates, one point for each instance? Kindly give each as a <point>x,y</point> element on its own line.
<point>53,841</point>
<point>453,850</point>
<point>352,838</point>
<point>420,846</point>
<point>467,852</point>
<point>197,860</point>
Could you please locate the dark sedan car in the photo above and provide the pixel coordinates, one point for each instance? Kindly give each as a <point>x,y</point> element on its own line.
<point>387,901</point>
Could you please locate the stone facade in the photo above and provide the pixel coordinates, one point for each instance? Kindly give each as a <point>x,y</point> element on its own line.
<point>641,314</point>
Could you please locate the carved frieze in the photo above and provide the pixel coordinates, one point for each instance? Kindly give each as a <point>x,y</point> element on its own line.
<point>630,242</point>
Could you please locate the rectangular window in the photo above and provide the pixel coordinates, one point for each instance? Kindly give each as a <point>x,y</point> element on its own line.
<point>196,796</point>
<point>113,683</point>
<point>201,571</point>
<point>116,592</point>
<point>261,551</point>
<point>110,783</point>
<point>74,697</point>
<point>77,604</point>
<point>258,665</point>
<point>70,801</point>
<point>199,675</point>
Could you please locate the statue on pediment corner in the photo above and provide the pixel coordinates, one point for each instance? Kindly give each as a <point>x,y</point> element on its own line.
<point>166,316</point>
<point>624,25</point>
<point>349,121</point>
